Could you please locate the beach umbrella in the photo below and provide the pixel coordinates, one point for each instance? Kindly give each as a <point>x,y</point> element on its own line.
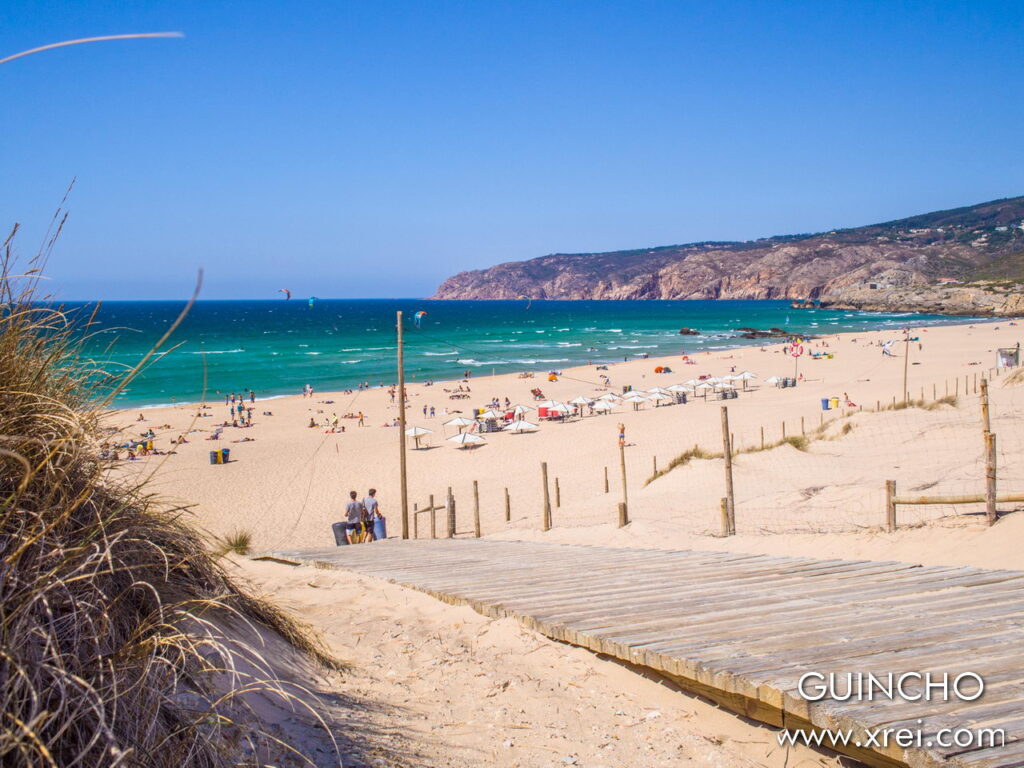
<point>746,376</point>
<point>772,380</point>
<point>726,385</point>
<point>466,439</point>
<point>636,400</point>
<point>490,413</point>
<point>519,426</point>
<point>704,387</point>
<point>524,408</point>
<point>691,382</point>
<point>657,397</point>
<point>603,405</point>
<point>418,432</point>
<point>680,388</point>
<point>610,397</point>
<point>657,391</point>
<point>549,404</point>
<point>460,422</point>
<point>581,401</point>
<point>560,408</point>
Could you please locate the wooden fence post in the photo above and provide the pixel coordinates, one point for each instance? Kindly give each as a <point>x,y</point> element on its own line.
<point>654,462</point>
<point>451,513</point>
<point>727,453</point>
<point>783,430</point>
<point>558,493</point>
<point>476,509</point>
<point>723,509</point>
<point>986,425</point>
<point>623,515</point>
<point>415,521</point>
<point>508,507</point>
<point>990,478</point>
<point>934,392</point>
<point>433,519</point>
<point>762,438</point>
<point>890,505</point>
<point>545,523</point>
<point>802,430</point>
<point>622,467</point>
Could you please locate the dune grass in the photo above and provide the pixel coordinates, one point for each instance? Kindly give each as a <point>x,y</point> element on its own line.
<point>238,542</point>
<point>111,607</point>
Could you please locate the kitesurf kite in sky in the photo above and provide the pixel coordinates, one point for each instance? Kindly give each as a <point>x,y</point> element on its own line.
<point>529,300</point>
<point>286,292</point>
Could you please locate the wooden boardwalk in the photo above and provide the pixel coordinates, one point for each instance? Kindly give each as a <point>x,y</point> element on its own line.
<point>742,629</point>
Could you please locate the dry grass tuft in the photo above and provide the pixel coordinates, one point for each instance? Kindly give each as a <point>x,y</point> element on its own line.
<point>951,400</point>
<point>112,611</point>
<point>238,542</point>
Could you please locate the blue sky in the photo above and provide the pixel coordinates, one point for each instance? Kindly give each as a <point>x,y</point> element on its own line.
<point>371,149</point>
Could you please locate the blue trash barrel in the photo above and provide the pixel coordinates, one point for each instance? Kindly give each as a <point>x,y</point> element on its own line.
<point>380,528</point>
<point>226,452</point>
<point>214,455</point>
<point>825,403</point>
<point>339,533</point>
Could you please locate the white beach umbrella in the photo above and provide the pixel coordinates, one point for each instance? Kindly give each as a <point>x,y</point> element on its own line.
<point>745,377</point>
<point>460,422</point>
<point>418,432</point>
<point>524,408</point>
<point>519,426</point>
<point>636,397</point>
<point>548,404</point>
<point>726,385</point>
<point>490,413</point>
<point>704,387</point>
<point>691,382</point>
<point>560,408</point>
<point>680,388</point>
<point>772,380</point>
<point>610,397</point>
<point>603,405</point>
<point>466,439</point>
<point>657,397</point>
<point>657,391</point>
<point>581,400</point>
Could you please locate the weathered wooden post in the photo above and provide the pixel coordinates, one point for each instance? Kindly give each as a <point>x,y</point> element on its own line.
<point>476,509</point>
<point>558,493</point>
<point>622,467</point>
<point>990,478</point>
<point>723,510</point>
<point>935,392</point>
<point>433,518</point>
<point>545,523</point>
<point>623,515</point>
<point>762,438</point>
<point>606,479</point>
<point>654,463</point>
<point>415,521</point>
<point>451,513</point>
<point>986,425</point>
<point>508,507</point>
<point>727,453</point>
<point>890,505</point>
<point>802,430</point>
<point>783,429</point>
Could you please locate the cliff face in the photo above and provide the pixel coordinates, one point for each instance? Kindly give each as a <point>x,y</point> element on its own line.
<point>844,264</point>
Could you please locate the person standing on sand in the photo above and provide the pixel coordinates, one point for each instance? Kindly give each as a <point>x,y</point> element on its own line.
<point>622,435</point>
<point>362,419</point>
<point>372,507</point>
<point>353,516</point>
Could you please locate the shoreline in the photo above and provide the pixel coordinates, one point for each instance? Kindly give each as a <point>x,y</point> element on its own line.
<point>655,360</point>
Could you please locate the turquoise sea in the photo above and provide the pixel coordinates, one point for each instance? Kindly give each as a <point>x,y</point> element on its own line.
<point>276,347</point>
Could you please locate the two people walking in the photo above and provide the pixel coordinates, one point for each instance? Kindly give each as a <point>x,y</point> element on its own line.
<point>361,518</point>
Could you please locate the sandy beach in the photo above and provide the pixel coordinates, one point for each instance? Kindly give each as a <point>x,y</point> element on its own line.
<point>288,482</point>
<point>455,690</point>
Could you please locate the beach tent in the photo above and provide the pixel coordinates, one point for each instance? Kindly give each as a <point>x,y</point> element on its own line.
<point>460,422</point>
<point>466,439</point>
<point>519,426</point>
<point>416,433</point>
